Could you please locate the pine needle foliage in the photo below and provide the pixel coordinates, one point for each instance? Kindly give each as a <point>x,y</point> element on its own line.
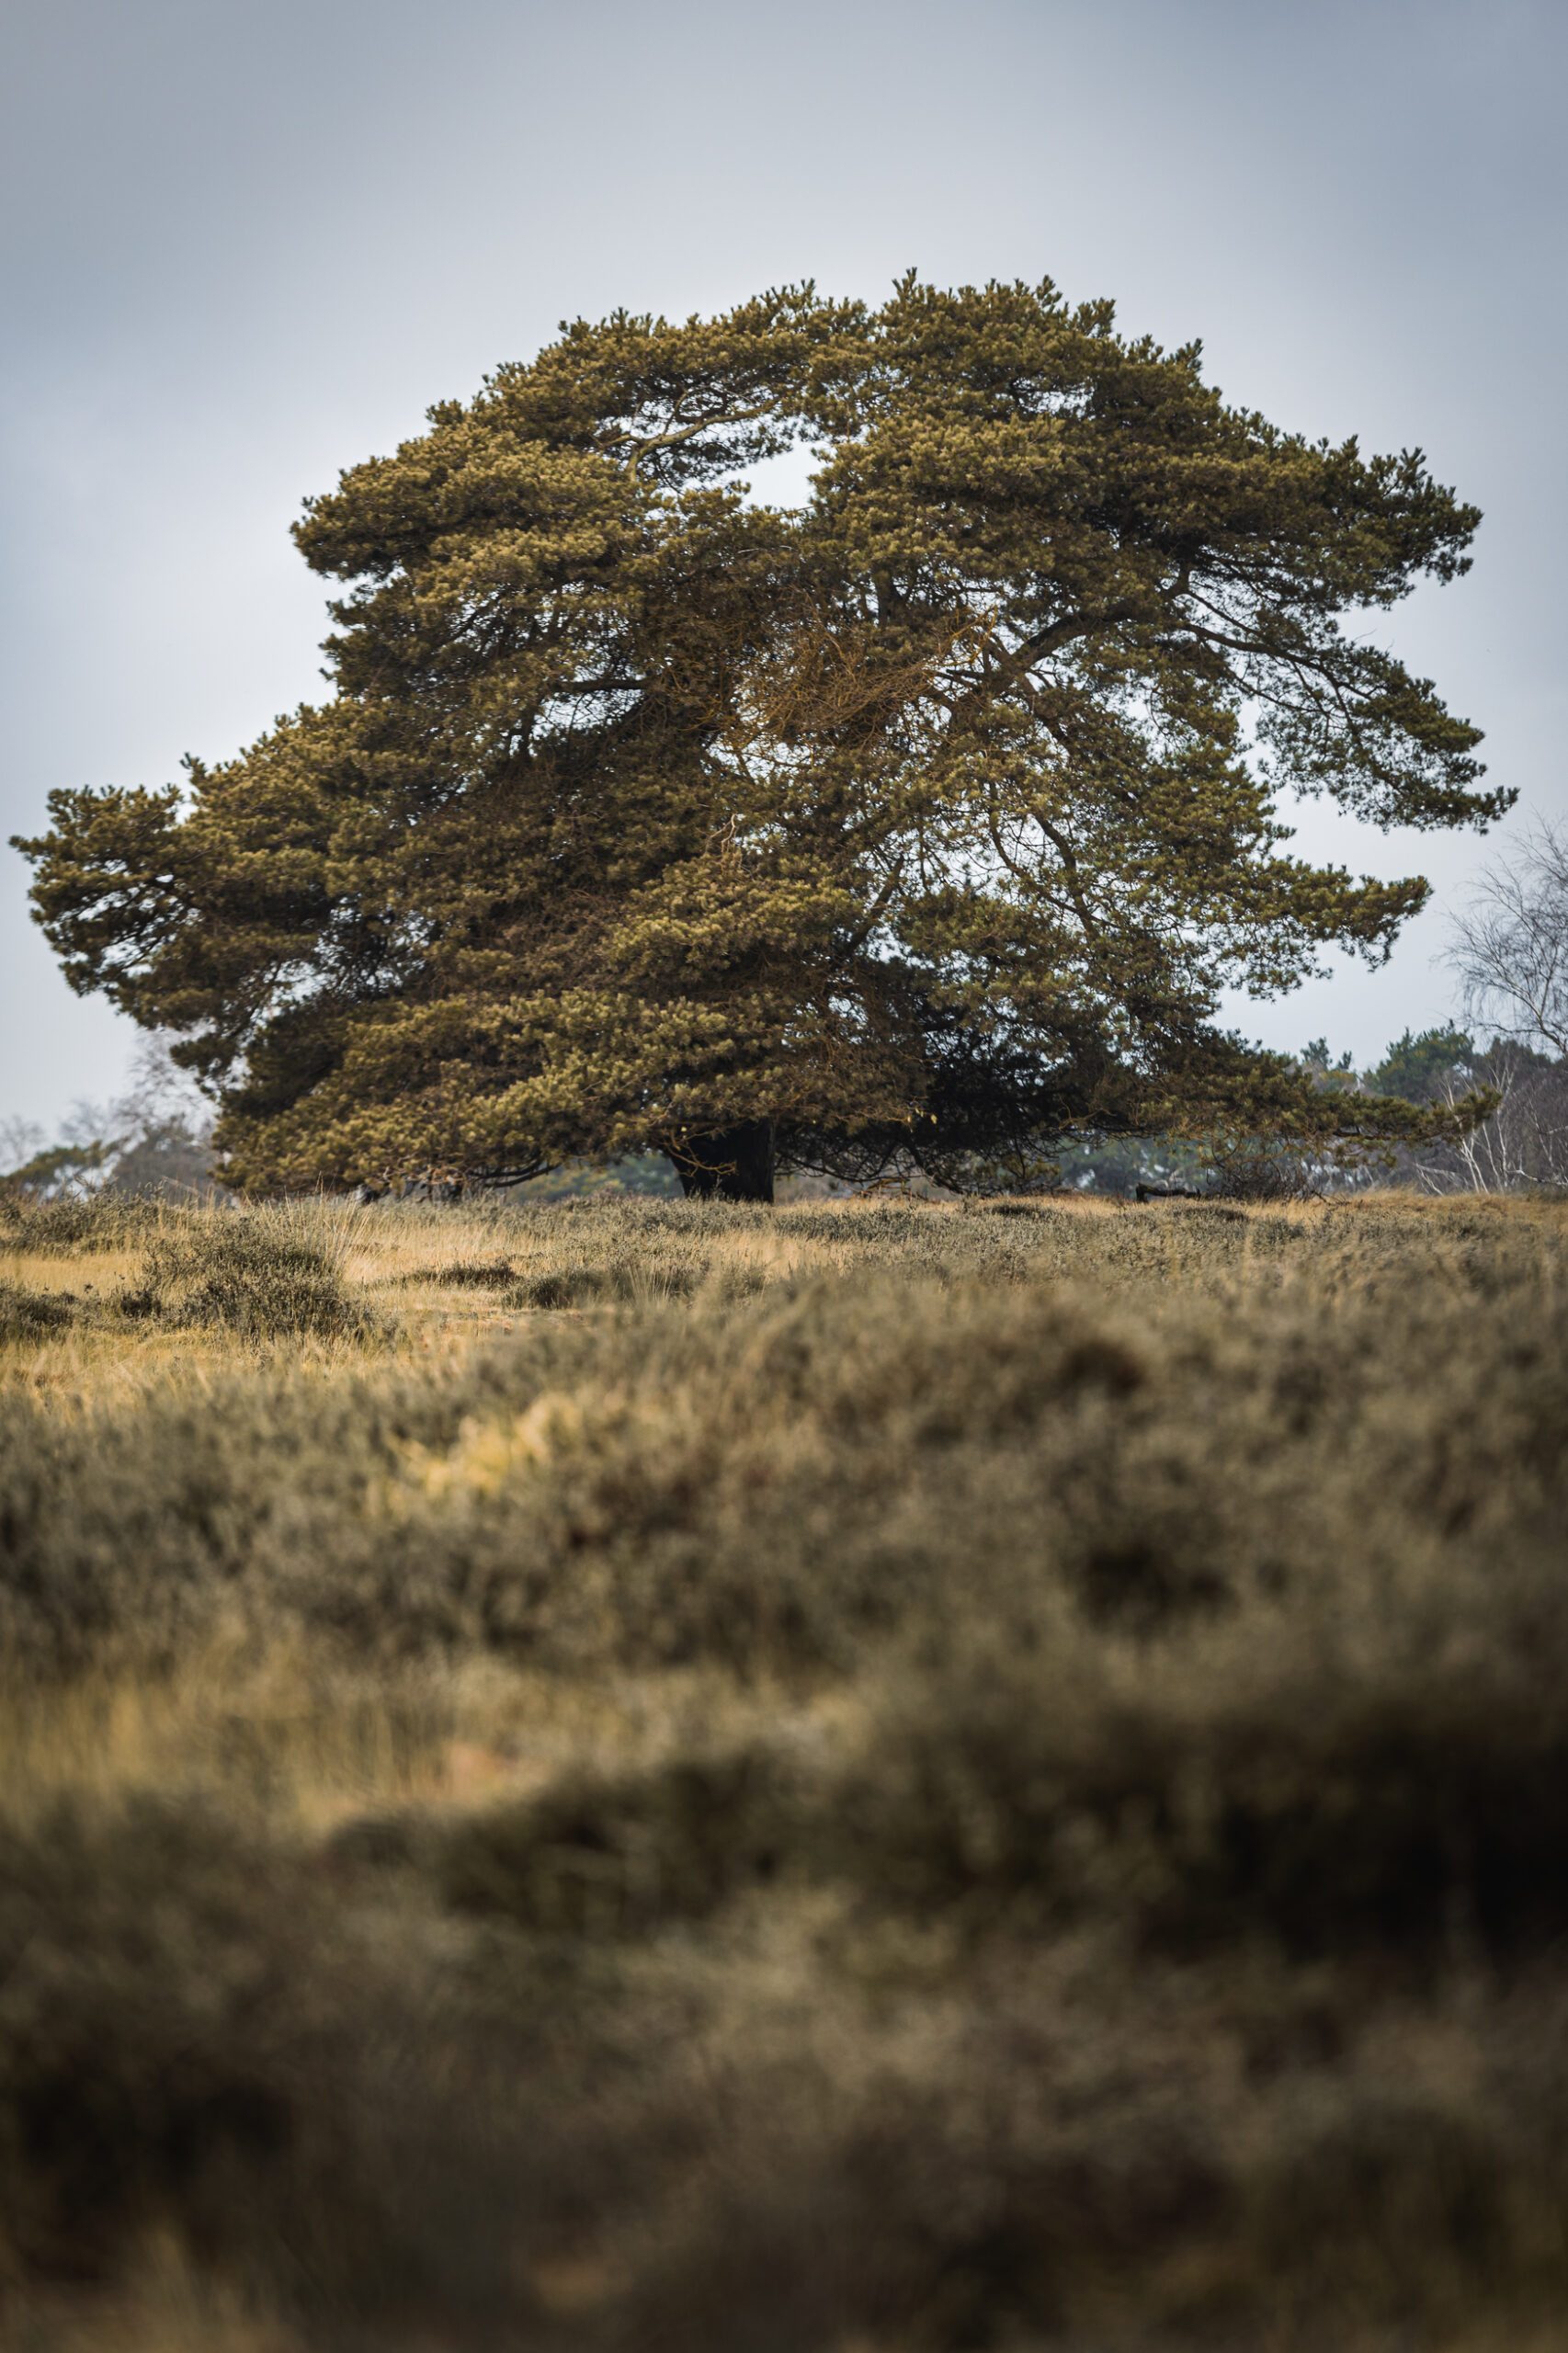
<point>923,820</point>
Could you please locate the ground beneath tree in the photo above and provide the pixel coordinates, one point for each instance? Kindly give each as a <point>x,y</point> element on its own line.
<point>885,1774</point>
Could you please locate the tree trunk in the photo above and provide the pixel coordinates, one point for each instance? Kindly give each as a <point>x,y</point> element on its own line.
<point>735,1165</point>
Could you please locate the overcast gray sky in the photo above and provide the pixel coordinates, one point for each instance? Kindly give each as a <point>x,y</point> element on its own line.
<point>248,242</point>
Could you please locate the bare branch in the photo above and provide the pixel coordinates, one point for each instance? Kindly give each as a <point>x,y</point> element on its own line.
<point>1509,943</point>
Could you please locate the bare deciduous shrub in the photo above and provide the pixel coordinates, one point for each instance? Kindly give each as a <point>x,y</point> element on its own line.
<point>1509,944</point>
<point>1255,1170</point>
<point>1524,1142</point>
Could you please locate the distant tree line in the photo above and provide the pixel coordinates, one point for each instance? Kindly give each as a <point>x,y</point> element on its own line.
<point>1522,1142</point>
<point>156,1138</point>
<point>1509,946</point>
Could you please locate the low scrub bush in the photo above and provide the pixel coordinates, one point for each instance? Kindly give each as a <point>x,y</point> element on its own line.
<point>27,1314</point>
<point>466,1274</point>
<point>621,1283</point>
<point>252,1275</point>
<point>74,1222</point>
<point>596,1858</point>
<point>456,2095</point>
<point>1324,1776</point>
<point>195,2030</point>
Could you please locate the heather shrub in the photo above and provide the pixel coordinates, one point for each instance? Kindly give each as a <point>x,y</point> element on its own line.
<point>27,1314</point>
<point>596,1858</point>
<point>619,1282</point>
<point>255,1275</point>
<point>74,1222</point>
<point>195,2030</point>
<point>466,1274</point>
<point>1326,1776</point>
<point>909,1775</point>
<point>779,1482</point>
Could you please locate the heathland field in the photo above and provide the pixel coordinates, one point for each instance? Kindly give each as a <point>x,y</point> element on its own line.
<point>631,1776</point>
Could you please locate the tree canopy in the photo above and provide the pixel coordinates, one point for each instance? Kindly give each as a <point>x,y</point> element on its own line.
<point>928,816</point>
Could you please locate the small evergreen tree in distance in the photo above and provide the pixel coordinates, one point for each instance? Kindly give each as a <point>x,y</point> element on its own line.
<point>1424,1065</point>
<point>926,818</point>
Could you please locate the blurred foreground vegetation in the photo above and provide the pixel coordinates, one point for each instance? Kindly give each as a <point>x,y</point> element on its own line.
<point>620,1774</point>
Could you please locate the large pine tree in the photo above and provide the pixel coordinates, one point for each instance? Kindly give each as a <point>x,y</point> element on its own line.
<point>925,817</point>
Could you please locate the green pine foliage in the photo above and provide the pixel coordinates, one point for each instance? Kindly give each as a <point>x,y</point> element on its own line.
<point>918,822</point>
<point>1421,1064</point>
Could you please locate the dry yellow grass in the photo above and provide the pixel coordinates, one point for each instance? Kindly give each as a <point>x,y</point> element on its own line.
<point>903,1775</point>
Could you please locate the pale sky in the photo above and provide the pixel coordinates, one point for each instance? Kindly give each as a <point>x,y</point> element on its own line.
<point>248,242</point>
